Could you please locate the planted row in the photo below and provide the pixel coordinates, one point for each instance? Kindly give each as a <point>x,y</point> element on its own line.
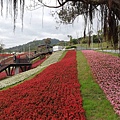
<point>106,70</point>
<point>54,94</point>
<point>5,55</point>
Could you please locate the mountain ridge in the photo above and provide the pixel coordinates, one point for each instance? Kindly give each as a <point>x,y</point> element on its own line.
<point>32,45</point>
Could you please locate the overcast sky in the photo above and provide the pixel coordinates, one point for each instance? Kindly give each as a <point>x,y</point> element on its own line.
<point>38,24</point>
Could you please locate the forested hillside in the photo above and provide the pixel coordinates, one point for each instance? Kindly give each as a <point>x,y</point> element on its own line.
<point>33,46</point>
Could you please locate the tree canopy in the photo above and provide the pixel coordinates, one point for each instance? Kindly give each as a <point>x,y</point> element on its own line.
<point>108,11</point>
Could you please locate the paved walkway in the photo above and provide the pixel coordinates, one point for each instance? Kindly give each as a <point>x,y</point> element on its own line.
<point>22,76</point>
<point>112,51</point>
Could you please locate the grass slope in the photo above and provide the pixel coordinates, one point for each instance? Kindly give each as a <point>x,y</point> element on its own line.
<point>96,105</point>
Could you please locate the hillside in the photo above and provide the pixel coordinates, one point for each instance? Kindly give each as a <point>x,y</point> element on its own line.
<point>33,46</point>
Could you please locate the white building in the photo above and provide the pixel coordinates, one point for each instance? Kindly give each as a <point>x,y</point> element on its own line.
<point>57,48</point>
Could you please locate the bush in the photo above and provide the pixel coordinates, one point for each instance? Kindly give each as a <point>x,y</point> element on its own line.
<point>85,41</point>
<point>69,47</point>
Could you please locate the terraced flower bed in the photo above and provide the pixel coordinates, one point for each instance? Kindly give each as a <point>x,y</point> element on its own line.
<point>24,75</point>
<point>34,65</point>
<point>106,70</point>
<point>5,55</point>
<point>38,62</point>
<point>54,94</point>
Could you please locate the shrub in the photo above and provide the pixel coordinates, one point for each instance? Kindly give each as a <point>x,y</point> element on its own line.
<point>69,47</point>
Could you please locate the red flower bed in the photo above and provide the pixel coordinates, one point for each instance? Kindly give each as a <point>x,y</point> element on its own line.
<point>5,55</point>
<point>106,70</point>
<point>54,94</point>
<point>38,62</point>
<point>2,75</point>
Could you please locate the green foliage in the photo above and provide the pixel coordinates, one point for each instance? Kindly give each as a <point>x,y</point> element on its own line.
<point>47,41</point>
<point>70,47</point>
<point>95,39</point>
<point>84,41</point>
<point>1,47</point>
<point>75,41</point>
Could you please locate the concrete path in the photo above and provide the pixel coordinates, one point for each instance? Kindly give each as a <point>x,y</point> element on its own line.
<point>22,76</point>
<point>112,51</point>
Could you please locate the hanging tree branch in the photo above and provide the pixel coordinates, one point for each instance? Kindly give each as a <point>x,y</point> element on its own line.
<point>110,13</point>
<point>12,6</point>
<point>70,9</point>
<point>60,4</point>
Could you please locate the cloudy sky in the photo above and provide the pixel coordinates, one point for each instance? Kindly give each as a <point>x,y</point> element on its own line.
<point>38,24</point>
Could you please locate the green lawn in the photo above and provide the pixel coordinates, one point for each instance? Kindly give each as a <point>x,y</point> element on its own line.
<point>62,56</point>
<point>96,105</point>
<point>102,45</point>
<point>95,45</point>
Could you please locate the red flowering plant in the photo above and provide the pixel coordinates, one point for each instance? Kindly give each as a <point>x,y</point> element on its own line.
<point>2,75</point>
<point>5,55</point>
<point>106,69</point>
<point>38,62</point>
<point>54,94</point>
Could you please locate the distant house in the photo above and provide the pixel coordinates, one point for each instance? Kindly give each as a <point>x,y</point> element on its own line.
<point>57,48</point>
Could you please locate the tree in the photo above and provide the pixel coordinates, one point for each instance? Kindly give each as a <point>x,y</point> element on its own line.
<point>95,39</point>
<point>12,8</point>
<point>75,41</point>
<point>47,41</point>
<point>71,40</point>
<point>1,47</point>
<point>108,11</point>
